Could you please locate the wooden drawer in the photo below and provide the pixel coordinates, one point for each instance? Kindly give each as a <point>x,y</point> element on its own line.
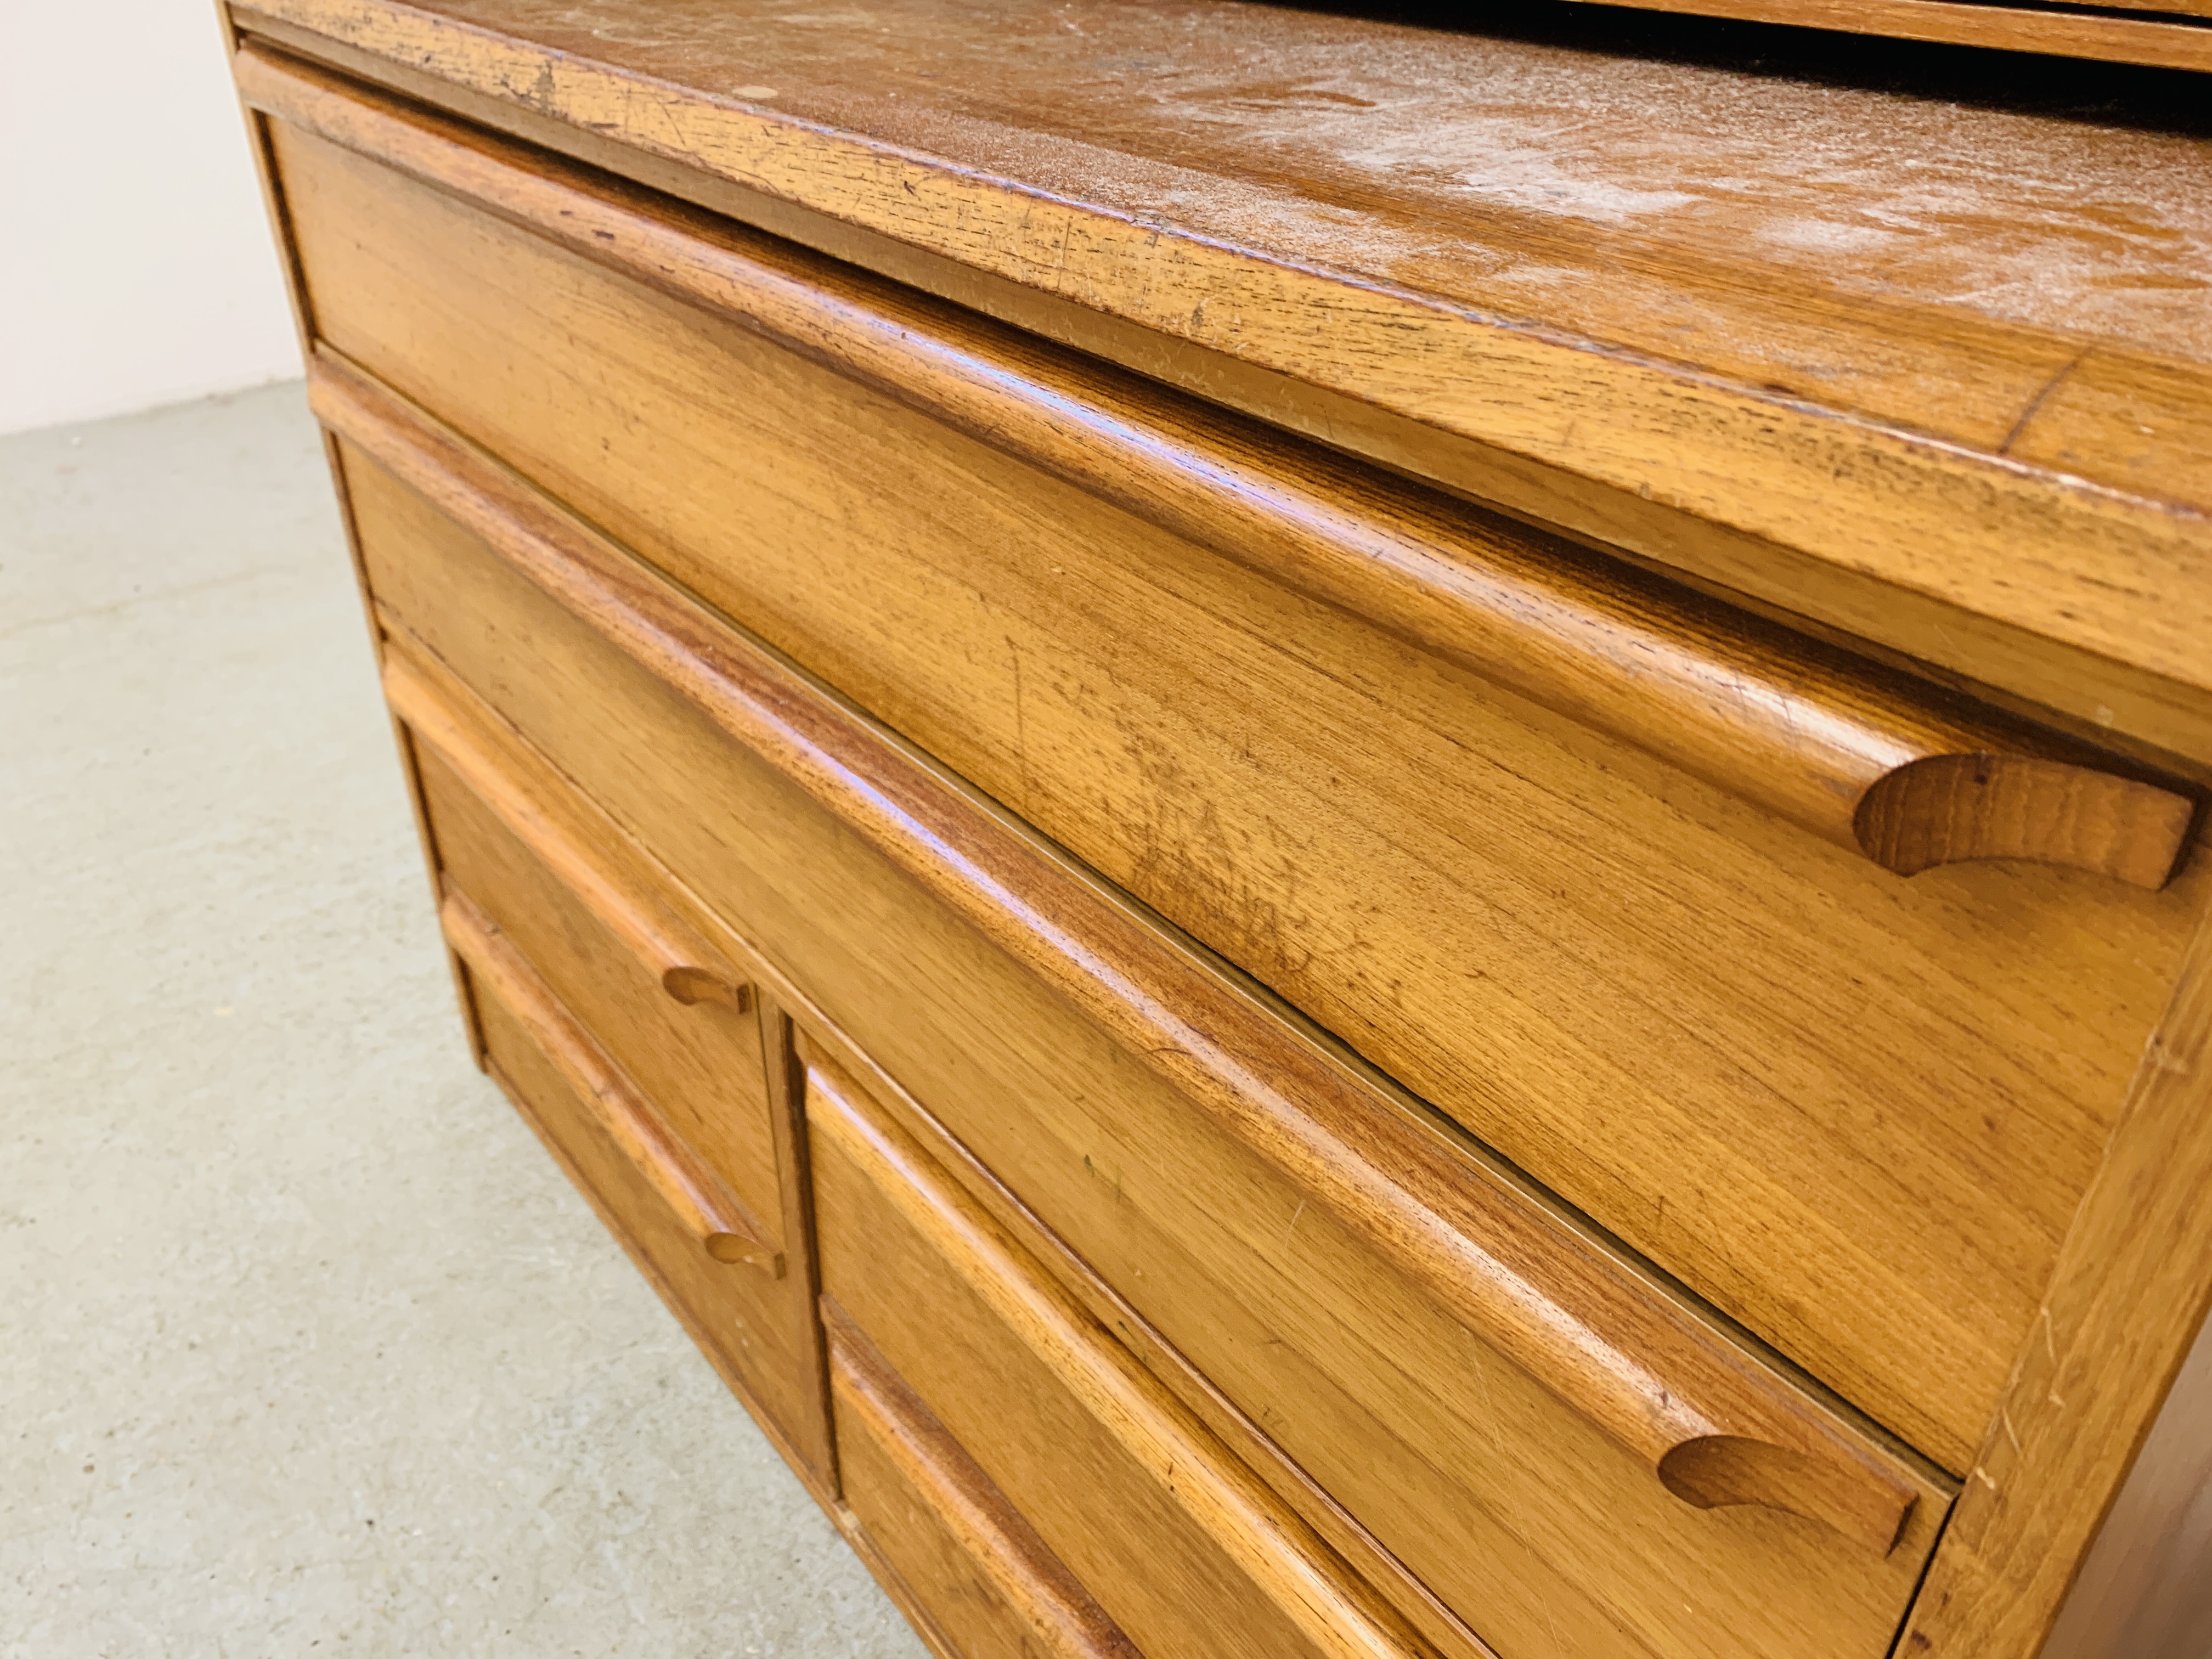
<point>652,1022</point>
<point>1853,1110</point>
<point>966,1566</point>
<point>752,1323</point>
<point>1181,1547</point>
<point>1506,1423</point>
<point>675,1013</point>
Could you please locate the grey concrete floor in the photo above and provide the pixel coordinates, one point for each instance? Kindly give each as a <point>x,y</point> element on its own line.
<point>308,1346</point>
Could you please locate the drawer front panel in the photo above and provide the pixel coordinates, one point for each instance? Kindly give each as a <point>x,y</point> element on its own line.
<point>1852,1109</point>
<point>965,1559</point>
<point>754,1327</point>
<point>699,1064</point>
<point>1534,1527</point>
<point>1182,1547</point>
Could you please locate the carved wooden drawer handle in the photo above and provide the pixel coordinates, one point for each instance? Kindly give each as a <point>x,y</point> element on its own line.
<point>669,950</point>
<point>698,1197</point>
<point>1716,1425</point>
<point>1876,761</point>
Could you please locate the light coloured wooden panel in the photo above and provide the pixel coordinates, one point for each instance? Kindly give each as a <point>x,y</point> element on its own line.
<point>758,1331</point>
<point>1649,1373</point>
<point>1878,763</point>
<point>1598,327</point>
<point>978,1569</point>
<point>1522,1516</point>
<point>1855,1111</point>
<point>2125,1304</point>
<point>1180,1544</point>
<point>699,1066</point>
<point>2100,697</point>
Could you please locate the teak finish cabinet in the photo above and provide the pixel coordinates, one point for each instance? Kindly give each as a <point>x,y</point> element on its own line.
<point>1341,840</point>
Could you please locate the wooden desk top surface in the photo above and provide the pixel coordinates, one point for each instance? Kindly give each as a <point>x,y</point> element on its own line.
<point>1960,349</point>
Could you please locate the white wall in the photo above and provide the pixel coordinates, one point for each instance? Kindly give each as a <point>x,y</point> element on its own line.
<point>136,266</point>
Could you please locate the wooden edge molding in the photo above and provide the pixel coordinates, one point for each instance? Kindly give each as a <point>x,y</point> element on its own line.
<point>1906,775</point>
<point>1642,1366</point>
<point>2021,543</point>
<point>713,1214</point>
<point>682,964</point>
<point>2125,1303</point>
<point>2170,42</point>
<point>1341,1615</point>
<point>1057,1614</point>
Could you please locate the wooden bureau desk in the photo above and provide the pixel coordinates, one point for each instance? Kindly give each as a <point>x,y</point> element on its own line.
<point>1343,840</point>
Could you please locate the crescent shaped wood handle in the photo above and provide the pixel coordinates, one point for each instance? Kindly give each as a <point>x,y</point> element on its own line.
<point>1716,1424</point>
<point>681,963</point>
<point>710,1211</point>
<point>1887,766</point>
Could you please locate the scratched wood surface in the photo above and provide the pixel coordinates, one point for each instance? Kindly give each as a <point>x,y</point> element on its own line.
<point>2125,1303</point>
<point>2037,529</point>
<point>1659,1036</point>
<point>1517,1512</point>
<point>1885,764</point>
<point>1886,335</point>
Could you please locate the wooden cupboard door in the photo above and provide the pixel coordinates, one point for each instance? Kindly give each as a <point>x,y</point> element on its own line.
<point>753,1325</point>
<point>525,851</point>
<point>1183,1548</point>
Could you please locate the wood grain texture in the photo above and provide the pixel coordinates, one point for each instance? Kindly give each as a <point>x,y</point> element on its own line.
<point>1869,761</point>
<point>754,1350</point>
<point>2004,1576</point>
<point>2145,1589</point>
<point>1183,1547</point>
<point>778,1001</point>
<point>1857,1113</point>
<point>1523,1517</point>
<point>2137,409</point>
<point>2125,1304</point>
<point>682,963</point>
<point>699,1199</point>
<point>698,1065</point>
<point>1897,482</point>
<point>1771,1449</point>
<point>1205,1398</point>
<point>990,1580</point>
